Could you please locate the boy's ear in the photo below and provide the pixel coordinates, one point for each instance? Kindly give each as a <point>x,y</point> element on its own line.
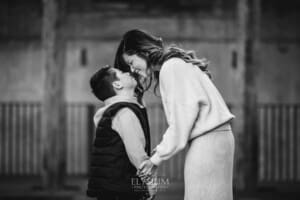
<point>117,85</point>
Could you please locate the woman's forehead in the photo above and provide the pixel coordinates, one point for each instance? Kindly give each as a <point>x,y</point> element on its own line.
<point>126,57</point>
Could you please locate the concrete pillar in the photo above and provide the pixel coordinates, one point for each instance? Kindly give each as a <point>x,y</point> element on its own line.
<point>53,106</point>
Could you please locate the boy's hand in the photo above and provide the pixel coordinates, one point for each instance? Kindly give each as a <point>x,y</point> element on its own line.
<point>151,183</point>
<point>147,172</point>
<point>152,189</point>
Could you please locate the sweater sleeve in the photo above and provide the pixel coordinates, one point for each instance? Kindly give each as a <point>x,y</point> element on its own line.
<point>181,97</point>
<point>128,126</point>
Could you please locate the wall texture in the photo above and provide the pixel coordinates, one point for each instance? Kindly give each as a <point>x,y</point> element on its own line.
<point>96,35</point>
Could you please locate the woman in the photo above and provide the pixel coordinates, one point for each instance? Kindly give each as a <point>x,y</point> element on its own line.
<point>196,114</point>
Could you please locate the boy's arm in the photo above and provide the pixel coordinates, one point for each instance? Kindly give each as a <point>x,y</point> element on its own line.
<point>128,126</point>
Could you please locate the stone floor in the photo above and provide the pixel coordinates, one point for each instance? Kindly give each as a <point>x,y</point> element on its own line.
<point>29,188</point>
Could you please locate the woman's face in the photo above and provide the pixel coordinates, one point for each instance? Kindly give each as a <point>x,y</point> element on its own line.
<point>137,64</point>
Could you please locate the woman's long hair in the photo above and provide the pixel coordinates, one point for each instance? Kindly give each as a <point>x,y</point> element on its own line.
<point>151,48</point>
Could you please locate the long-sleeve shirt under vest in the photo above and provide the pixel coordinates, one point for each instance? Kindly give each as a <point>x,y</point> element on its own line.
<point>129,128</point>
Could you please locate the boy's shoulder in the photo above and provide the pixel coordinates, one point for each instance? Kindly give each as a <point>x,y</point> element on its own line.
<point>124,104</point>
<point>125,113</point>
<point>128,115</point>
<point>124,108</point>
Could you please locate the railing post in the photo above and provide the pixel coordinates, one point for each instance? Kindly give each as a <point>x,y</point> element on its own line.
<point>248,39</point>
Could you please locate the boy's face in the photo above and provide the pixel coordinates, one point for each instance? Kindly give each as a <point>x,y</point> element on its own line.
<point>125,79</point>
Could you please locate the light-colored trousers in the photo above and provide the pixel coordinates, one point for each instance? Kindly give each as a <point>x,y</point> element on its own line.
<point>208,166</point>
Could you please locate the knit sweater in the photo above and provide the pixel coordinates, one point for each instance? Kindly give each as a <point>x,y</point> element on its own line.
<point>192,104</point>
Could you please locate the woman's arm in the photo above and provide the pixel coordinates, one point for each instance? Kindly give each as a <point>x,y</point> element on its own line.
<point>182,97</point>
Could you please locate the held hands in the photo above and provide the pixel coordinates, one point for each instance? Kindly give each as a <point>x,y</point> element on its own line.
<point>147,169</point>
<point>147,172</point>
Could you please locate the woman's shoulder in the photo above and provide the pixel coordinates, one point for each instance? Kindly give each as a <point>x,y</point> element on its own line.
<point>174,64</point>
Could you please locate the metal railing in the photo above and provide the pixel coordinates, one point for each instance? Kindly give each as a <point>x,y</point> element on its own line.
<point>21,146</point>
<point>279,140</point>
<point>20,139</point>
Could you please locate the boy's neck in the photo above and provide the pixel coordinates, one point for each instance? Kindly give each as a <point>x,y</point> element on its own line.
<point>120,97</point>
<point>126,93</point>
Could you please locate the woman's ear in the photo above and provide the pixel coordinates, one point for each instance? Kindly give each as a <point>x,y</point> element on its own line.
<point>117,85</point>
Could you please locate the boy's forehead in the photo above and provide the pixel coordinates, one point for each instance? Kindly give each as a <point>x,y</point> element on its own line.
<point>115,70</point>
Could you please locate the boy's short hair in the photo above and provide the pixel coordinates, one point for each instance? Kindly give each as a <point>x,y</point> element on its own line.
<point>101,83</point>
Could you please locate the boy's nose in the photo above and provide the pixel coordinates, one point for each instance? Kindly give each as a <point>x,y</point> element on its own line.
<point>128,74</point>
<point>132,68</point>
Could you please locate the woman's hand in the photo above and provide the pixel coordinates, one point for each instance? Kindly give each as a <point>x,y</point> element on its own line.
<point>147,169</point>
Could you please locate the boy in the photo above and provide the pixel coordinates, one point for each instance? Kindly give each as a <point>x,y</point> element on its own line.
<point>122,139</point>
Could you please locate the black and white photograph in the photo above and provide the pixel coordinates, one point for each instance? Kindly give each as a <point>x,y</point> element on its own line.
<point>149,100</point>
